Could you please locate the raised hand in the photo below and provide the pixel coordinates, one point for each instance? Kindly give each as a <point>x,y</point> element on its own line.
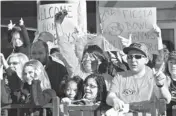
<point>59,17</point>
<point>3,61</point>
<point>21,22</point>
<point>160,77</point>
<point>11,25</point>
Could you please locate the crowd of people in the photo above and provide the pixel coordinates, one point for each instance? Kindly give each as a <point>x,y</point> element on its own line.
<point>83,74</point>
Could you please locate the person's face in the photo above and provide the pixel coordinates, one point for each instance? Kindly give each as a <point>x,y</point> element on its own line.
<point>136,61</point>
<point>16,40</point>
<point>91,89</point>
<point>29,74</point>
<point>71,90</point>
<point>14,63</point>
<point>172,67</point>
<point>38,52</point>
<point>90,63</point>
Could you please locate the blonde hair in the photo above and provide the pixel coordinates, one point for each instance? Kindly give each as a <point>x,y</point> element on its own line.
<point>22,58</point>
<point>40,73</point>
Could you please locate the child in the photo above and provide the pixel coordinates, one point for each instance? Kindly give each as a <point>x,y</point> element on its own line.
<point>37,88</point>
<point>35,76</point>
<point>72,89</point>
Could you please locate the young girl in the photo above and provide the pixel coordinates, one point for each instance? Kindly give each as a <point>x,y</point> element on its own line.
<point>37,85</point>
<point>72,89</point>
<point>36,89</point>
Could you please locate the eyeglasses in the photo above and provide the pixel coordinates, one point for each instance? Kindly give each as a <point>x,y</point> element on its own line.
<point>135,56</point>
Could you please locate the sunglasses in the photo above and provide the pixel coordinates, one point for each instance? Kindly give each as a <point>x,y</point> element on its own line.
<point>135,56</point>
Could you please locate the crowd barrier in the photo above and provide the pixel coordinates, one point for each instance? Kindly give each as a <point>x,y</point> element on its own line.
<point>156,109</point>
<point>54,106</point>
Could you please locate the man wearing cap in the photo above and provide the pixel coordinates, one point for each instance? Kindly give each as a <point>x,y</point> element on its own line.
<point>138,84</point>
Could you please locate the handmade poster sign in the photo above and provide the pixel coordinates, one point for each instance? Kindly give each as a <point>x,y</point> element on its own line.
<point>46,18</point>
<point>124,21</point>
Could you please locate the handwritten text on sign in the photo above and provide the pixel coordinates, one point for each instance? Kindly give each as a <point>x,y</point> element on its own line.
<point>46,18</point>
<point>123,21</point>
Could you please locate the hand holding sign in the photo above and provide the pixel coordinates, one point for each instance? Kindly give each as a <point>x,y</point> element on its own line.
<point>126,42</point>
<point>11,25</point>
<point>160,77</point>
<point>59,17</point>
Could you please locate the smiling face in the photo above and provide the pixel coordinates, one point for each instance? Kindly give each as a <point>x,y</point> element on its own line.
<point>136,61</point>
<point>71,90</point>
<point>29,74</point>
<point>91,89</point>
<point>90,63</point>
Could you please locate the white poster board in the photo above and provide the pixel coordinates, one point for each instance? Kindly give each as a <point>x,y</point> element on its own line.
<point>46,18</point>
<point>123,21</point>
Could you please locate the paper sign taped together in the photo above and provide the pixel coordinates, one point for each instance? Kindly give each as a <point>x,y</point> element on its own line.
<point>123,21</point>
<point>46,18</point>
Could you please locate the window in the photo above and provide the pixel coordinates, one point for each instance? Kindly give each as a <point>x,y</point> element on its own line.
<point>168,31</point>
<point>168,38</point>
